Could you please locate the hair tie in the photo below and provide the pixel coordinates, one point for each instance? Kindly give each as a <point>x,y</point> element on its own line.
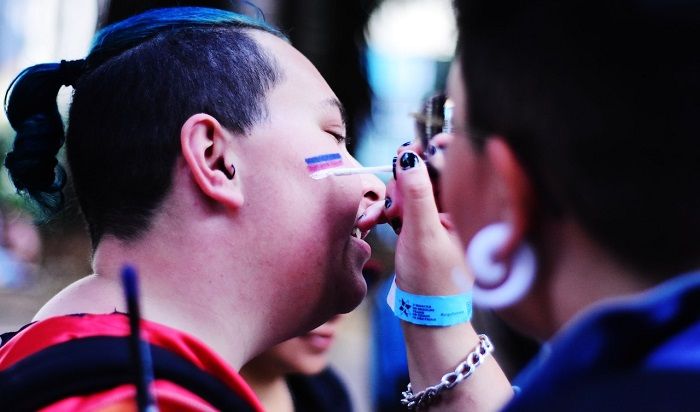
<point>70,70</point>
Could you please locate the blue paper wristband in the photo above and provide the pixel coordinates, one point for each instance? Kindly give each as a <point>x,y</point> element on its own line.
<point>430,310</point>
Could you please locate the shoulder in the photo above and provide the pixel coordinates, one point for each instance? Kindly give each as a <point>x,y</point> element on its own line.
<point>90,294</point>
<point>90,354</point>
<point>640,353</point>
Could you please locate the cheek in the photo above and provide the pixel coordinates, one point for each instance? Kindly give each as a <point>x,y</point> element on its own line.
<point>324,161</point>
<point>459,192</point>
<point>341,200</point>
<point>314,217</point>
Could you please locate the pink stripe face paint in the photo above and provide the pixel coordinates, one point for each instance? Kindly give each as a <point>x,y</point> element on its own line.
<point>324,161</point>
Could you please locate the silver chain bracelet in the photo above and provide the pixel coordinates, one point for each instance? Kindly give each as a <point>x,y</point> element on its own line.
<point>463,371</point>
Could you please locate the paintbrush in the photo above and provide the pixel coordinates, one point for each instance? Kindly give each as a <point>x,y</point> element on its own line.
<point>347,171</point>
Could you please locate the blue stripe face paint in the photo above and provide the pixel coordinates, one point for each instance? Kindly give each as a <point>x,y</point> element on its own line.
<point>324,161</point>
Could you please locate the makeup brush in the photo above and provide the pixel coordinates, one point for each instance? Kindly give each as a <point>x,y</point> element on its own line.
<point>347,171</point>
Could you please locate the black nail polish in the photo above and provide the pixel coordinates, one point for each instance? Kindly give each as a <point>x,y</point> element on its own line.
<point>387,202</point>
<point>396,225</point>
<point>432,150</point>
<point>393,166</point>
<point>408,161</point>
<point>408,143</point>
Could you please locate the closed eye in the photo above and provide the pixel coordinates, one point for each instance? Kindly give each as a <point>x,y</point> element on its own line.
<point>338,137</point>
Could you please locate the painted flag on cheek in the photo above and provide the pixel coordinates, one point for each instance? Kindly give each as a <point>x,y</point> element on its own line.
<point>324,161</point>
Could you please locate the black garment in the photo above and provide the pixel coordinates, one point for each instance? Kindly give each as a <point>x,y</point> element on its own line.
<point>321,392</point>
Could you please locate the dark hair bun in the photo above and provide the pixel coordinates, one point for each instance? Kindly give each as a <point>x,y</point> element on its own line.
<point>33,113</point>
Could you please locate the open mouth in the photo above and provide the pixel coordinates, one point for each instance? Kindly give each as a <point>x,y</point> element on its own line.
<point>357,233</point>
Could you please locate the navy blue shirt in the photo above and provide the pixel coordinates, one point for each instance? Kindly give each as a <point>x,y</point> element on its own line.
<point>639,354</point>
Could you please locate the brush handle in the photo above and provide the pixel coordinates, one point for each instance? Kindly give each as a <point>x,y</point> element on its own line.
<point>141,354</point>
<point>347,171</point>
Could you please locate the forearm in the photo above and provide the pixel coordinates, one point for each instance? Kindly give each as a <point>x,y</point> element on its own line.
<point>435,351</point>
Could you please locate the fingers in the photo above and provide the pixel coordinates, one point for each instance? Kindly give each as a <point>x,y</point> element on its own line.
<point>371,217</point>
<point>412,187</point>
<point>446,222</point>
<point>392,207</point>
<point>426,254</point>
<point>415,191</point>
<point>434,159</point>
<point>412,145</point>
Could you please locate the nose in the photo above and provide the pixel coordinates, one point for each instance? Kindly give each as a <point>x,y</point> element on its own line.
<point>373,189</point>
<point>442,140</point>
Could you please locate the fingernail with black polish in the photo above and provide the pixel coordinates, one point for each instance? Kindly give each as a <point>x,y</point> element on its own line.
<point>432,150</point>
<point>396,225</point>
<point>408,161</point>
<point>387,202</point>
<point>408,143</point>
<point>393,167</point>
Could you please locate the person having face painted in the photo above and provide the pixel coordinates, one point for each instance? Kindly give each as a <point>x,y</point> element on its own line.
<point>187,142</point>
<point>295,375</point>
<point>570,178</point>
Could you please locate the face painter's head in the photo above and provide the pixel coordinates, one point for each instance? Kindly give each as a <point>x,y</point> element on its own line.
<point>144,77</point>
<point>306,354</point>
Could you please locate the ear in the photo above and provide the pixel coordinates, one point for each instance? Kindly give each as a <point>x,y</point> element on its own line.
<point>208,152</point>
<point>516,189</point>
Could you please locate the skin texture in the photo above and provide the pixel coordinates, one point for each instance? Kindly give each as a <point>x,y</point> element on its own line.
<point>247,262</point>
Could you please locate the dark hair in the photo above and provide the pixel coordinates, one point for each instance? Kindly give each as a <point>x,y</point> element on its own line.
<point>141,81</point>
<point>599,100</point>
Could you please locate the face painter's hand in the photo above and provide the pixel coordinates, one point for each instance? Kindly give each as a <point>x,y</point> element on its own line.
<point>434,159</point>
<point>426,252</point>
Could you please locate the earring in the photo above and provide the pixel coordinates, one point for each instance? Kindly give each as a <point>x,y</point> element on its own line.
<point>232,173</point>
<point>499,284</point>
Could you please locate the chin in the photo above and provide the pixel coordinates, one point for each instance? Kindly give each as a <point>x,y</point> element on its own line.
<point>350,294</point>
<point>313,368</point>
<point>340,297</point>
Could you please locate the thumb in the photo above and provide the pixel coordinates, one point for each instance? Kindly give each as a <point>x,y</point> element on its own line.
<point>420,213</point>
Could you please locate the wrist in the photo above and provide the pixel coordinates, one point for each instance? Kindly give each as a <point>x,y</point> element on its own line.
<point>430,310</point>
<point>439,283</point>
<point>463,371</point>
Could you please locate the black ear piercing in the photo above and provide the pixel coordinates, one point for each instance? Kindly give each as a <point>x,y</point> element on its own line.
<point>232,173</point>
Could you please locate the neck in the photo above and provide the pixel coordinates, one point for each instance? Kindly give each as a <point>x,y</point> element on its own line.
<point>177,290</point>
<point>575,275</point>
<point>197,292</point>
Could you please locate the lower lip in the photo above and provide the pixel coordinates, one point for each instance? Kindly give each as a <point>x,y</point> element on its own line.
<point>364,245</point>
<point>319,343</point>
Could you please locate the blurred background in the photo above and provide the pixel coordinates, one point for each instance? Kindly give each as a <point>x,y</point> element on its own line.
<point>381,57</point>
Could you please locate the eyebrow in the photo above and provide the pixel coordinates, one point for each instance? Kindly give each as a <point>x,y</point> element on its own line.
<point>333,102</point>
